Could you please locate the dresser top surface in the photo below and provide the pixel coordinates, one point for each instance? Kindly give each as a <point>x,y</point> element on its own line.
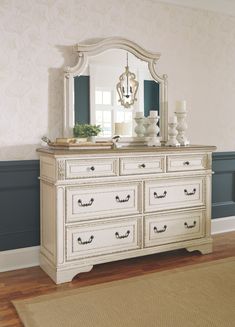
<point>128,150</point>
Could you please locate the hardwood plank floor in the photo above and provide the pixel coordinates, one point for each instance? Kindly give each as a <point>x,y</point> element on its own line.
<point>30,282</point>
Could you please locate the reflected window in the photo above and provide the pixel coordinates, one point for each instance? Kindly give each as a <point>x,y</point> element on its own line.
<point>104,111</point>
<point>108,111</point>
<point>103,97</point>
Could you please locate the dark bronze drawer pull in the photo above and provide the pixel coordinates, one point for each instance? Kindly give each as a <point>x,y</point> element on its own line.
<point>190,226</point>
<point>190,193</point>
<point>122,236</point>
<point>85,242</point>
<point>142,165</point>
<point>123,200</point>
<point>160,196</point>
<point>160,230</point>
<point>85,204</point>
<point>186,163</point>
<point>92,168</point>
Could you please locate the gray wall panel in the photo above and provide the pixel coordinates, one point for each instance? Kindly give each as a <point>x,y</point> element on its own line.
<point>223,184</point>
<point>19,204</point>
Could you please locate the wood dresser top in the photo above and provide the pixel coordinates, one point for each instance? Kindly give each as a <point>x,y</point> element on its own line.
<point>127,150</point>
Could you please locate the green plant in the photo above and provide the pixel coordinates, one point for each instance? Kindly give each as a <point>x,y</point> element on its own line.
<point>86,130</point>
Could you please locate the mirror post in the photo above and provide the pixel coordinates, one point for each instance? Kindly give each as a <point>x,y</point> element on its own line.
<point>164,113</point>
<point>68,105</point>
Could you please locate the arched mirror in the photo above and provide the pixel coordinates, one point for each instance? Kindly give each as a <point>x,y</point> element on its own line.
<point>112,81</point>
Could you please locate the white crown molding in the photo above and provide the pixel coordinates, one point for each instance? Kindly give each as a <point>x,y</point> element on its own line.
<point>29,257</point>
<point>221,6</point>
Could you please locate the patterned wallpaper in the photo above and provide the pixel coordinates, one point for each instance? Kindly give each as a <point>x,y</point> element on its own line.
<point>36,37</point>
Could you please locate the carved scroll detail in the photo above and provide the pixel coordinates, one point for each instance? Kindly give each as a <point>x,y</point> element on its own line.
<point>61,169</point>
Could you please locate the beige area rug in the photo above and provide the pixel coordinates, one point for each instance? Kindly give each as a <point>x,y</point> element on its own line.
<point>201,295</point>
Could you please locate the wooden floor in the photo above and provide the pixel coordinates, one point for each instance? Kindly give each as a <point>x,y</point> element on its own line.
<point>29,282</point>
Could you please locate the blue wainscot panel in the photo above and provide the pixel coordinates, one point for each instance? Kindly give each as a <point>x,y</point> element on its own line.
<point>223,186</point>
<point>19,204</point>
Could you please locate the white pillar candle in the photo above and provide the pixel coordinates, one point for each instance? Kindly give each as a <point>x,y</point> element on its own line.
<point>139,114</point>
<point>173,120</point>
<point>181,106</point>
<point>153,113</point>
<point>122,128</point>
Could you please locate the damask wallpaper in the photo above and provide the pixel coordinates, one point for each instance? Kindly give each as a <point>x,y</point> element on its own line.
<point>36,39</point>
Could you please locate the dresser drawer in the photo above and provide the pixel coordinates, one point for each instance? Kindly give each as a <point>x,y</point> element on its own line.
<point>86,202</point>
<point>142,165</point>
<point>187,162</point>
<point>82,168</point>
<point>168,228</point>
<point>96,239</point>
<point>172,194</point>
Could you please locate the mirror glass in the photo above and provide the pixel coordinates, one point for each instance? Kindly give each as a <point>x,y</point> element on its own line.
<point>96,99</point>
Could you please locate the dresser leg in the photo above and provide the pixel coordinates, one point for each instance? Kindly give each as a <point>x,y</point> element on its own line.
<point>203,248</point>
<point>61,274</point>
<point>65,276</point>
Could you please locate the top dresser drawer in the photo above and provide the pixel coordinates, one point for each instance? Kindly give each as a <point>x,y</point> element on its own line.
<point>187,162</point>
<point>142,165</point>
<point>83,168</point>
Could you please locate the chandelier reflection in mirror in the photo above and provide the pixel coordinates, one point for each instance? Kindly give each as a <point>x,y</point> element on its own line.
<point>127,87</point>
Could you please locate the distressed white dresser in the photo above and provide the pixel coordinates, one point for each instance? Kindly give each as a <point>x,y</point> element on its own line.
<point>106,205</point>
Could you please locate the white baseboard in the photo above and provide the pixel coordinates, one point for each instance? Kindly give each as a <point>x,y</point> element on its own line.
<point>19,258</point>
<point>29,257</point>
<point>222,225</point>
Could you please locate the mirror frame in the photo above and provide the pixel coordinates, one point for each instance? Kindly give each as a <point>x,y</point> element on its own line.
<point>87,50</point>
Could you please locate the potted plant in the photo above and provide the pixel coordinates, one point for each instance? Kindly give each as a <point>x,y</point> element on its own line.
<point>86,131</point>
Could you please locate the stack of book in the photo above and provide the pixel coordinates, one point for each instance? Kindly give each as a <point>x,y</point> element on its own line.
<point>72,143</point>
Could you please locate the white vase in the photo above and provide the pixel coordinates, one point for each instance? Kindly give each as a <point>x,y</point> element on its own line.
<point>91,139</point>
<point>81,139</point>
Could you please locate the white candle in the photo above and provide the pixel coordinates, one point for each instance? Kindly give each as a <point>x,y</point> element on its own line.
<point>181,106</point>
<point>122,128</point>
<point>139,114</point>
<point>153,113</point>
<point>173,120</point>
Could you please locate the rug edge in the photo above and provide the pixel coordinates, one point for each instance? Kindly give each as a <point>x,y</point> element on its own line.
<point>23,316</point>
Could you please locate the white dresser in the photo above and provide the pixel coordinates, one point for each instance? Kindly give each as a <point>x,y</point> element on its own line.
<point>106,205</point>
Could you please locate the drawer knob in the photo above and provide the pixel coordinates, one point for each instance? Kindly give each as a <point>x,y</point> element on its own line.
<point>186,163</point>
<point>142,165</point>
<point>160,230</point>
<point>123,200</point>
<point>85,242</point>
<point>122,236</point>
<point>88,204</point>
<point>92,168</point>
<point>160,196</point>
<point>190,226</point>
<point>189,193</point>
